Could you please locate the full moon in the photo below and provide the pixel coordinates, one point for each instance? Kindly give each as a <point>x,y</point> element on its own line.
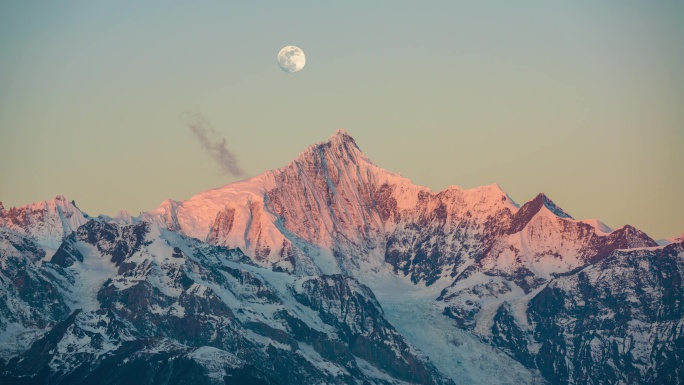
<point>291,59</point>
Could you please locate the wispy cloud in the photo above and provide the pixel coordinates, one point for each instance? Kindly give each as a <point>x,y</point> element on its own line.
<point>214,144</point>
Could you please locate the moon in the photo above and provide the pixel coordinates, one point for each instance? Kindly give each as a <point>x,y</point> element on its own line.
<point>291,59</point>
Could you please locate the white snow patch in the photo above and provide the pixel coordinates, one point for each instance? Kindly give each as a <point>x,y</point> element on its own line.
<point>215,361</point>
<point>411,309</point>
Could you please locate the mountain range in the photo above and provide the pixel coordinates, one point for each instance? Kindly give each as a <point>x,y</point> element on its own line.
<point>332,270</point>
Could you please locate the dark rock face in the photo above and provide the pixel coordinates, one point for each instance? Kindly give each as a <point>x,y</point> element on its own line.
<point>222,226</point>
<point>67,253</point>
<point>442,234</point>
<point>618,321</point>
<point>626,237</point>
<point>29,297</point>
<point>354,311</point>
<point>507,335</point>
<point>118,242</point>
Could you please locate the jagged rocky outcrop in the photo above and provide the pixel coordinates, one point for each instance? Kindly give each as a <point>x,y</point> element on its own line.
<point>616,321</point>
<point>353,309</point>
<point>267,280</point>
<point>30,299</point>
<point>46,223</point>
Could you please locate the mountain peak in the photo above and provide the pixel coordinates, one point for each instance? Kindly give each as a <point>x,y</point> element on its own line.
<point>340,132</point>
<point>531,208</point>
<point>549,204</point>
<point>629,237</point>
<point>340,146</point>
<point>48,222</point>
<point>341,137</point>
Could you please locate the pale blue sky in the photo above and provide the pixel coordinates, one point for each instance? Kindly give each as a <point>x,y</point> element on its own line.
<point>582,100</point>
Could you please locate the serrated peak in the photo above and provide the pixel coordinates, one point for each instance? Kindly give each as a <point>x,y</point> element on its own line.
<point>549,204</point>
<point>530,209</point>
<point>629,237</point>
<point>340,132</point>
<point>341,138</point>
<point>340,146</point>
<point>47,222</point>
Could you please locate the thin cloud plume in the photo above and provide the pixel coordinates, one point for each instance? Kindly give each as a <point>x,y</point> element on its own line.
<point>214,144</point>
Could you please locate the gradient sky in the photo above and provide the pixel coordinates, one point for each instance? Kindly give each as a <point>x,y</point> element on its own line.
<point>583,100</point>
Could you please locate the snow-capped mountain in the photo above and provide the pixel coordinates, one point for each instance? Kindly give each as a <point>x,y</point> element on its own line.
<point>46,222</point>
<point>333,270</point>
<point>668,241</point>
<point>334,199</point>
